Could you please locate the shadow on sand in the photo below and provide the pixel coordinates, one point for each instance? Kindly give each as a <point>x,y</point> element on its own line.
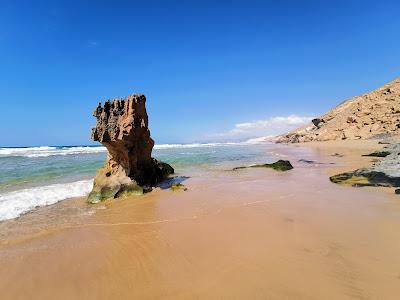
<point>166,184</point>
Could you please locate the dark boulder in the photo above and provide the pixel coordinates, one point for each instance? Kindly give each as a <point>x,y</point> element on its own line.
<point>378,154</point>
<point>317,122</point>
<point>280,165</point>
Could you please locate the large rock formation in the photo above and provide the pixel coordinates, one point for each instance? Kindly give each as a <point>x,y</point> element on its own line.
<point>372,115</point>
<point>122,127</point>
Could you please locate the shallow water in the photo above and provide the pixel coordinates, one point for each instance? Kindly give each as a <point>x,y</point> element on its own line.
<point>39,176</point>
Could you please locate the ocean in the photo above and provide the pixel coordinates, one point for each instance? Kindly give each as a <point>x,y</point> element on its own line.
<point>37,176</point>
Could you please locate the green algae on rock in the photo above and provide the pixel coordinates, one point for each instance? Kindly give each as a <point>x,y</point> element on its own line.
<point>384,172</point>
<point>364,177</point>
<point>178,186</point>
<point>130,190</point>
<point>280,165</point>
<point>96,196</point>
<point>378,154</point>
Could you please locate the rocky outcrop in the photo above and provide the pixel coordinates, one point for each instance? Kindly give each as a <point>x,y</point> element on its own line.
<point>385,172</point>
<point>372,115</point>
<point>280,165</point>
<point>122,127</point>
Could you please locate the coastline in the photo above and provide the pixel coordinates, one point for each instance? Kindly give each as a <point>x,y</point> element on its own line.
<point>253,233</point>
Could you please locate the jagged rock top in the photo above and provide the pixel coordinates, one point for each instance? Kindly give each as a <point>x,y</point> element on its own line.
<point>374,114</point>
<point>122,127</point>
<point>117,118</point>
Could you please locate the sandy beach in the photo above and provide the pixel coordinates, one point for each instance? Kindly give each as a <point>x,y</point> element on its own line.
<point>199,150</point>
<point>247,234</point>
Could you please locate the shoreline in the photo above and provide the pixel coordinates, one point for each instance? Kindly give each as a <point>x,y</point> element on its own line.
<point>243,234</point>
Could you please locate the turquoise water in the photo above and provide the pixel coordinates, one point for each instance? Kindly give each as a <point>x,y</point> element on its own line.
<point>39,176</point>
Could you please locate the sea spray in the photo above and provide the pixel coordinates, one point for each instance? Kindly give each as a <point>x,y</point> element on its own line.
<point>14,204</point>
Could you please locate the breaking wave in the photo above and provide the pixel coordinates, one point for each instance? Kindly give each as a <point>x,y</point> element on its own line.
<point>46,151</point>
<point>13,204</point>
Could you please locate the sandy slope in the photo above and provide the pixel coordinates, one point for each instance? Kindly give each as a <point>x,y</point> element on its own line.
<point>375,114</point>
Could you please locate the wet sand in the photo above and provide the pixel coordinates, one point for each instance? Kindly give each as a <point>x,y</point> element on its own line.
<point>248,234</point>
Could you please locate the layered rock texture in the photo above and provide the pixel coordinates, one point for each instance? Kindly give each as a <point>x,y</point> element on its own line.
<point>122,127</point>
<point>372,115</point>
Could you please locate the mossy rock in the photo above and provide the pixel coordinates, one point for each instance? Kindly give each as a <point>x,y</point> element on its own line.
<point>107,192</point>
<point>350,179</point>
<point>378,154</point>
<point>94,197</point>
<point>340,178</point>
<point>104,194</point>
<point>117,192</point>
<point>362,177</point>
<point>178,186</point>
<point>280,165</point>
<point>130,190</point>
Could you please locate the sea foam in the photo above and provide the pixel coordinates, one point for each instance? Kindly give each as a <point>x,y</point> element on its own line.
<point>13,204</point>
<point>46,151</point>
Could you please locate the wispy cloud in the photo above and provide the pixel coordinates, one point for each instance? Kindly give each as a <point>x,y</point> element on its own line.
<point>92,43</point>
<point>269,127</point>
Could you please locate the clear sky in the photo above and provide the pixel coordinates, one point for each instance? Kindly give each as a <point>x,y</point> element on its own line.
<point>208,68</point>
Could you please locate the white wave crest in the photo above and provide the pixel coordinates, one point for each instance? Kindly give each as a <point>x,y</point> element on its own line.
<point>14,204</point>
<point>195,145</point>
<point>48,151</point>
<point>259,140</point>
<point>23,151</point>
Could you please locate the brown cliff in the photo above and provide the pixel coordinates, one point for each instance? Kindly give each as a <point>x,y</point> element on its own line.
<point>372,115</point>
<point>122,127</point>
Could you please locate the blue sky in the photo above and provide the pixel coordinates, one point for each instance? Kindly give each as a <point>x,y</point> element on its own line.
<point>204,66</point>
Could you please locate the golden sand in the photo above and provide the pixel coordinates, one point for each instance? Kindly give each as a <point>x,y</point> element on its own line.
<point>248,234</point>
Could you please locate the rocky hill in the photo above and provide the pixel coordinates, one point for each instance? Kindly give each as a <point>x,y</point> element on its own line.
<point>372,115</point>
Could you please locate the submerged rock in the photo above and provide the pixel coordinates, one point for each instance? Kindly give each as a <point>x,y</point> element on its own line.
<point>122,127</point>
<point>312,162</point>
<point>280,165</point>
<point>307,161</point>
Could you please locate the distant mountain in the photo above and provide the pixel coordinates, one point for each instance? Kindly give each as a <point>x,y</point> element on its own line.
<point>372,115</point>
